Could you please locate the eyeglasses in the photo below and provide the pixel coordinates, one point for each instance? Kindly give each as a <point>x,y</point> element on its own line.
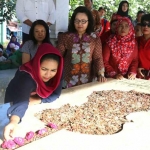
<point>144,24</point>
<point>82,21</point>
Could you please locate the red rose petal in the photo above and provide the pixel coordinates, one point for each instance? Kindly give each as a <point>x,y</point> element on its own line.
<point>52,125</point>
<point>29,135</point>
<point>19,141</point>
<point>8,144</point>
<point>42,131</point>
<point>3,145</point>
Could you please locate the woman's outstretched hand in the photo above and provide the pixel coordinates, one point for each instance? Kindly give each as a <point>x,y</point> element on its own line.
<point>119,77</point>
<point>140,72</point>
<point>9,129</point>
<point>131,76</point>
<point>101,78</point>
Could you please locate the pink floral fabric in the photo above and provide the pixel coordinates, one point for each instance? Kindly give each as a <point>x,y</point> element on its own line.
<point>122,47</point>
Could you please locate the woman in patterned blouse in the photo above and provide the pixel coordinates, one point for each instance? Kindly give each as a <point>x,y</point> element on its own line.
<point>82,50</point>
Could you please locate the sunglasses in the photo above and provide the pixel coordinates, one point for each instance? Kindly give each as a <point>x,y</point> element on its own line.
<point>144,24</point>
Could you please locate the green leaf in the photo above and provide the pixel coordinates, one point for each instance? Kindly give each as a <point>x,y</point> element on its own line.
<point>111,6</point>
<point>85,57</point>
<point>76,58</point>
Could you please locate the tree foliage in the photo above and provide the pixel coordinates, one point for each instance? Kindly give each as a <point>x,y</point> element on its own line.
<point>111,6</point>
<point>7,9</point>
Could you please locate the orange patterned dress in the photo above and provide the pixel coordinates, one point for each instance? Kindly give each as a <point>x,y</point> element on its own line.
<point>82,58</point>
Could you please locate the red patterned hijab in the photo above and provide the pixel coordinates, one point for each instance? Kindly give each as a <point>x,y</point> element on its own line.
<point>33,68</point>
<point>122,46</point>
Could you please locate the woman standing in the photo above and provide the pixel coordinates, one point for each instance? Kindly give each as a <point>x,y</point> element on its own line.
<point>144,48</point>
<point>38,81</point>
<point>39,33</point>
<point>81,49</point>
<point>122,11</point>
<point>120,52</point>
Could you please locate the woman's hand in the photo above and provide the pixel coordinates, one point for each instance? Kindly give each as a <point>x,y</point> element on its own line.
<point>131,76</point>
<point>119,77</point>
<point>140,72</point>
<point>101,78</point>
<point>9,130</point>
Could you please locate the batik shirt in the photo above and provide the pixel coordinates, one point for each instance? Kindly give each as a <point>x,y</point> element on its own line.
<point>82,58</point>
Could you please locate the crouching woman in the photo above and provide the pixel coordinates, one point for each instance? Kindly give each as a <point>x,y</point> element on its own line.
<point>37,81</point>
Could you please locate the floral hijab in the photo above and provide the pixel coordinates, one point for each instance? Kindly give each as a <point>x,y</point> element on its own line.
<point>122,46</point>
